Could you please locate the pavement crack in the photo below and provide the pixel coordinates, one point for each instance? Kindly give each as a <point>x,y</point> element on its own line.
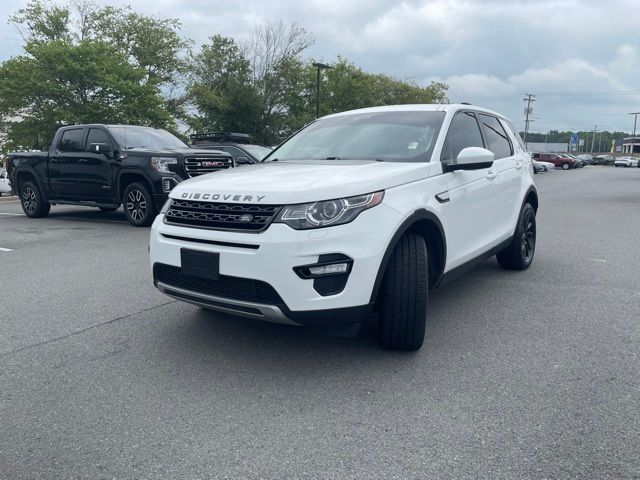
<point>78,332</point>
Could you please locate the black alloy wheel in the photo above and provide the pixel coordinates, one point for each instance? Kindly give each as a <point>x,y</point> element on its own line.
<point>138,205</point>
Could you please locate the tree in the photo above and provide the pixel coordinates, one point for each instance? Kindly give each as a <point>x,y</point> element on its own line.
<point>82,63</point>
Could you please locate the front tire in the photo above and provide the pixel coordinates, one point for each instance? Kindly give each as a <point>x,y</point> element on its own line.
<point>519,254</point>
<point>138,205</point>
<point>565,166</point>
<point>403,295</point>
<point>33,204</point>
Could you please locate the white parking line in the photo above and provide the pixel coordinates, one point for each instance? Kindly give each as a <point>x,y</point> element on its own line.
<point>2,249</point>
<point>598,260</point>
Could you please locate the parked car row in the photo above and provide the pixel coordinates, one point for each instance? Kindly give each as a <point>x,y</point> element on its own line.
<point>542,161</point>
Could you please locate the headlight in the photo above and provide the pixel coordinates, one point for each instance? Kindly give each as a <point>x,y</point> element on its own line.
<point>328,212</point>
<point>161,164</point>
<point>165,207</point>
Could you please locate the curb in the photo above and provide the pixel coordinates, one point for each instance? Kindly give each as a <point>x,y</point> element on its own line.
<point>12,198</point>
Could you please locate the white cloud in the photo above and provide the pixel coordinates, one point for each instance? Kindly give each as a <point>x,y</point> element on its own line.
<point>578,55</point>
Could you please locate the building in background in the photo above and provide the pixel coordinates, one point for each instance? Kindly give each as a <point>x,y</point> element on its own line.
<point>541,147</point>
<point>628,142</point>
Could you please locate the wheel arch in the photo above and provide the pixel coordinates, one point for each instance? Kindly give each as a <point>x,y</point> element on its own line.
<point>532,198</point>
<point>27,174</point>
<point>428,225</point>
<point>127,177</point>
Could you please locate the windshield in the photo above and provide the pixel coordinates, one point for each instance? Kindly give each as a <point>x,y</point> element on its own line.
<point>407,136</point>
<point>145,137</point>
<point>257,151</point>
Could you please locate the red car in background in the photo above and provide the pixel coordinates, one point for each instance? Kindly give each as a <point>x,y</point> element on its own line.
<point>558,160</point>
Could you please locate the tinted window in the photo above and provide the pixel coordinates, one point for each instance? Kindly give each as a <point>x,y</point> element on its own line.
<point>463,133</point>
<point>72,140</point>
<point>514,130</point>
<point>97,136</point>
<point>145,137</point>
<point>400,136</point>
<point>496,137</point>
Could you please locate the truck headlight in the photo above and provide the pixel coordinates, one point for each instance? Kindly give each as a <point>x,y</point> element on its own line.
<point>161,164</point>
<point>328,212</point>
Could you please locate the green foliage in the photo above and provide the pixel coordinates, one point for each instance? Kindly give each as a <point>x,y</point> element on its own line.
<point>84,63</point>
<point>602,142</point>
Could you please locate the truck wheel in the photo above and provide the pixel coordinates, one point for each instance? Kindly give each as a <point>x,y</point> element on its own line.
<point>403,295</point>
<point>32,202</point>
<point>565,166</point>
<point>519,254</point>
<point>138,205</point>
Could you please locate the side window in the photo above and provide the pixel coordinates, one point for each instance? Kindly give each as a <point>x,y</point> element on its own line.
<point>514,130</point>
<point>235,152</point>
<point>97,136</point>
<point>496,137</point>
<point>463,132</point>
<point>72,140</point>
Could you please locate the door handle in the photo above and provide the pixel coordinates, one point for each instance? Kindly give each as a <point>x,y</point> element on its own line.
<point>491,175</point>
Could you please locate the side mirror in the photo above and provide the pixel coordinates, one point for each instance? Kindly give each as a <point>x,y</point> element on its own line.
<point>472,158</point>
<point>243,161</point>
<point>104,148</point>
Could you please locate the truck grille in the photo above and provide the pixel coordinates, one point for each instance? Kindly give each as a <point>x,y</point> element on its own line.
<point>234,288</point>
<point>221,216</point>
<point>200,165</point>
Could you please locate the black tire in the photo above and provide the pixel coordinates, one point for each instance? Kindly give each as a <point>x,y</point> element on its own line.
<point>565,166</point>
<point>519,254</point>
<point>33,204</point>
<point>404,295</point>
<point>108,209</point>
<point>138,205</point>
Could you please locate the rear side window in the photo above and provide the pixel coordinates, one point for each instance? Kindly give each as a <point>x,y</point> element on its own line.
<point>514,130</point>
<point>97,136</point>
<point>463,132</point>
<point>72,141</point>
<point>496,137</point>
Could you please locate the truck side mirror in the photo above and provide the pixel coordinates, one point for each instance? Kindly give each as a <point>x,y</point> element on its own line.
<point>103,148</point>
<point>243,161</point>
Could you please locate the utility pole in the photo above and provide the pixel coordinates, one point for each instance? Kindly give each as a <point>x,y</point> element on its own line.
<point>319,66</point>
<point>600,142</point>
<point>593,140</point>
<point>633,138</point>
<point>529,97</point>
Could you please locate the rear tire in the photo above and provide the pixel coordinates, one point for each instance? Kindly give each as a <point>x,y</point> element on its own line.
<point>519,254</point>
<point>565,166</point>
<point>403,295</point>
<point>33,204</point>
<point>138,205</point>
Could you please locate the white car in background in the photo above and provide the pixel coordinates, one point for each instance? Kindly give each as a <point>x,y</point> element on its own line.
<point>626,162</point>
<point>4,182</point>
<point>543,166</point>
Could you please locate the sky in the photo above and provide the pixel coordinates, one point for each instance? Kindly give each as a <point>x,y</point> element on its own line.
<point>580,58</point>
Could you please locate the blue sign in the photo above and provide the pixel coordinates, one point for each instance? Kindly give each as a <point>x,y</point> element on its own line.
<point>573,141</point>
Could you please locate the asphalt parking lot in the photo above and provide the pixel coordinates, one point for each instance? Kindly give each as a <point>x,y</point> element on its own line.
<point>530,374</point>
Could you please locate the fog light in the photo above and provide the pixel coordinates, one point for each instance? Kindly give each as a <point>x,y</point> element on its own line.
<point>329,269</point>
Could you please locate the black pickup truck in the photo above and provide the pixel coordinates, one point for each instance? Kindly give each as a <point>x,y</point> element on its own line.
<point>106,166</point>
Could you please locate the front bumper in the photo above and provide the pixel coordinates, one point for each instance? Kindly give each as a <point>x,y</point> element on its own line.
<point>271,256</point>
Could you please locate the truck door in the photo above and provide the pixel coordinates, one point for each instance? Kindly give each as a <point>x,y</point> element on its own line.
<point>95,170</point>
<point>64,175</point>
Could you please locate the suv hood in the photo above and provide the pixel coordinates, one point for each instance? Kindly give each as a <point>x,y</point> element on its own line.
<point>289,182</point>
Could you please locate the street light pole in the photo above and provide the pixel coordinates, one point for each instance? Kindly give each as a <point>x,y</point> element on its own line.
<point>319,66</point>
<point>633,138</point>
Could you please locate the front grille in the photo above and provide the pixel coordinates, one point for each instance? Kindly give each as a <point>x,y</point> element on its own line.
<point>221,216</point>
<point>234,288</point>
<point>200,165</point>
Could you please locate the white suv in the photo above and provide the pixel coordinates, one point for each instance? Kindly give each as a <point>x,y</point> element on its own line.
<point>362,210</point>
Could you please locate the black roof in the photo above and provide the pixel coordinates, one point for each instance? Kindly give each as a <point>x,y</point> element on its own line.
<point>219,137</point>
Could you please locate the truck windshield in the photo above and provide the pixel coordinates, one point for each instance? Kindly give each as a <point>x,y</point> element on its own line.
<point>400,136</point>
<point>145,137</point>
